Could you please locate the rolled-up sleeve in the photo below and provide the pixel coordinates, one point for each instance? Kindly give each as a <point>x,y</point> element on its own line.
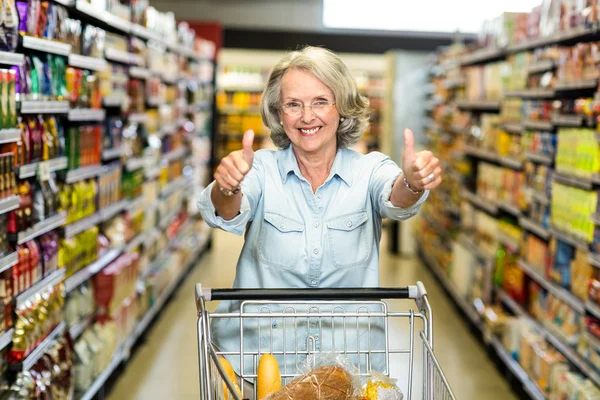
<point>385,174</point>
<point>251,192</point>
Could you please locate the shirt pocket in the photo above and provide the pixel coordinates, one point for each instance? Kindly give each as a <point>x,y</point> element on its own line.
<point>281,241</point>
<point>348,239</point>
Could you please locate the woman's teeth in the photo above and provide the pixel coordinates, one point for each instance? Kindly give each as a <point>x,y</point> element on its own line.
<point>310,131</point>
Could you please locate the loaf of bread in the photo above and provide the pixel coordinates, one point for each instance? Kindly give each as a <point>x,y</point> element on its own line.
<point>323,383</point>
<point>231,374</point>
<point>269,377</point>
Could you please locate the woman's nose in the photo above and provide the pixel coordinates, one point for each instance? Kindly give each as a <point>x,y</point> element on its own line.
<point>307,114</point>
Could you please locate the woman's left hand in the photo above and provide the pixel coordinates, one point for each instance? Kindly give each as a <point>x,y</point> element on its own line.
<point>422,170</point>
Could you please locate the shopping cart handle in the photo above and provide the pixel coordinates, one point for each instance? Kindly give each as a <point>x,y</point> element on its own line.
<point>409,292</point>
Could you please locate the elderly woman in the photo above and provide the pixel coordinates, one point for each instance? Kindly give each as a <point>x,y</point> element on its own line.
<point>312,210</point>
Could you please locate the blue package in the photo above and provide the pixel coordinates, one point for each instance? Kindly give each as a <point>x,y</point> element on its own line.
<point>561,269</point>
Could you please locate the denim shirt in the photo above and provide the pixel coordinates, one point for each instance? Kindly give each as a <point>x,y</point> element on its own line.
<point>299,239</point>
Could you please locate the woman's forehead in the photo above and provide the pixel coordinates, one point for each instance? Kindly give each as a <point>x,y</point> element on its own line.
<point>300,83</point>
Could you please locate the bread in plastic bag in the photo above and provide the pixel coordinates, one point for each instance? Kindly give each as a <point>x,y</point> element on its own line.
<point>381,387</point>
<point>326,376</point>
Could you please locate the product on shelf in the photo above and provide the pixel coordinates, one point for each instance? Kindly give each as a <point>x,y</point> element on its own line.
<point>79,251</point>
<point>83,146</point>
<point>94,351</point>
<point>78,199</point>
<point>109,186</point>
<point>35,320</point>
<point>80,305</point>
<point>83,88</point>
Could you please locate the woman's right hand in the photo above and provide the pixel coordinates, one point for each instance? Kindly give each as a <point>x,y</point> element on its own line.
<point>233,168</point>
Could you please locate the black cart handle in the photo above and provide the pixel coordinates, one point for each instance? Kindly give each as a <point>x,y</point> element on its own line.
<point>408,292</point>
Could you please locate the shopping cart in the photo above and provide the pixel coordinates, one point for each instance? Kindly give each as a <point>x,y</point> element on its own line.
<point>344,311</point>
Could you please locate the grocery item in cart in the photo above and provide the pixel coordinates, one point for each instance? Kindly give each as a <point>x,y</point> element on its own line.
<point>326,382</point>
<point>231,374</point>
<point>269,377</point>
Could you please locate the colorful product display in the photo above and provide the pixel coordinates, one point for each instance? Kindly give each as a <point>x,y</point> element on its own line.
<point>78,200</point>
<point>79,251</point>
<point>83,146</point>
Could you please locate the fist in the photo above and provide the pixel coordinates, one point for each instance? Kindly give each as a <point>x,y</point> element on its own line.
<point>422,170</point>
<point>234,167</point>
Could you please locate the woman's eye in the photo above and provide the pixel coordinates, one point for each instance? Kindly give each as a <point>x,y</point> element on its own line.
<point>320,103</point>
<point>293,105</point>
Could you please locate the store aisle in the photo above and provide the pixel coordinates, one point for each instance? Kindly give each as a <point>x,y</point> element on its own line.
<point>166,365</point>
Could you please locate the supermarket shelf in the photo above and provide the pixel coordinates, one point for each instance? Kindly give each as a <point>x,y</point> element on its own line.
<point>510,162</point>
<point>572,180</point>
<point>80,327</point>
<point>139,118</point>
<point>44,107</point>
<point>481,153</point>
<point>155,101</point>
<point>123,57</point>
<point>83,275</point>
<point>541,66</point>
<point>572,35</point>
<point>582,84</point>
<point>573,241</point>
<point>174,186</point>
<point>483,204</point>
<point>42,227</point>
<point>6,338</point>
<point>594,259</point>
<point>539,158</point>
<point>175,155</point>
<point>46,46</point>
<point>84,173</point>
<point>534,227</point>
<point>103,377</point>
<point>234,110</point>
<point>106,17</point>
<point>135,163</point>
<point>136,242</point>
<point>509,208</point>
<point>513,128</point>
<point>482,105</point>
<point>563,294</point>
<point>142,326</point>
<point>145,33</point>
<point>8,261</point>
<point>89,63</point>
<point>40,350</point>
<point>86,114</point>
<point>540,198</point>
<point>532,93</point>
<point>592,308</point>
<point>51,280</point>
<point>470,245</point>
<point>546,126</point>
<point>571,120</point>
<point>113,101</point>
<point>509,242</point>
<point>110,211</point>
<point>111,154</point>
<point>10,203</point>
<point>454,83</point>
<point>134,205</point>
<point>483,56</point>
<point>166,220</point>
<point>140,73</point>
<point>469,311</point>
<point>570,354</point>
<point>530,387</point>
<point>8,58</point>
<point>152,173</point>
<point>82,225</point>
<point>10,135</point>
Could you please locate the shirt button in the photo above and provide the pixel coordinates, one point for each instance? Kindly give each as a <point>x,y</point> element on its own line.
<point>316,224</point>
<point>320,196</point>
<point>314,282</point>
<point>316,251</point>
<point>349,224</point>
<point>282,226</point>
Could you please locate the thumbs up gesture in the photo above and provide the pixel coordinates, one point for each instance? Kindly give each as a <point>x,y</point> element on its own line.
<point>234,167</point>
<point>421,169</point>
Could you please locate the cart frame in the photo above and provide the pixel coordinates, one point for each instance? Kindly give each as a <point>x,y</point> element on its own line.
<point>214,380</point>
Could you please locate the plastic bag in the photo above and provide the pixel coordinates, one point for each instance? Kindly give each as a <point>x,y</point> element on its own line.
<point>381,387</point>
<point>324,376</point>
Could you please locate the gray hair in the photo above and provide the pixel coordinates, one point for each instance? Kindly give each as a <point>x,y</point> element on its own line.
<point>331,70</point>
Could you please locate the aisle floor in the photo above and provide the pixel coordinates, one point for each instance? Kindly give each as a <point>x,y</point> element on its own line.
<point>165,366</point>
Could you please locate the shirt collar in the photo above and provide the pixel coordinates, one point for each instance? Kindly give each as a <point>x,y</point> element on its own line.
<point>341,167</point>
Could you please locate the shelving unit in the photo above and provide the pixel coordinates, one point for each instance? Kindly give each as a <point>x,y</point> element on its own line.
<point>74,169</point>
<point>522,123</point>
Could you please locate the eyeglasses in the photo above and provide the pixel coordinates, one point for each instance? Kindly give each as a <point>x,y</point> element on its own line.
<point>319,107</point>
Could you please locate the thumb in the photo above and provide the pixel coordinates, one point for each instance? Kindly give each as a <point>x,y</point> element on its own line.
<point>247,142</point>
<point>409,144</point>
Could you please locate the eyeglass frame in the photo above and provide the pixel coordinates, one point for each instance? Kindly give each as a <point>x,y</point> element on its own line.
<point>329,104</point>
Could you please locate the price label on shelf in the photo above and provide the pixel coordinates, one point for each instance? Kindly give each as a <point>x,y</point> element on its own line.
<point>43,171</point>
